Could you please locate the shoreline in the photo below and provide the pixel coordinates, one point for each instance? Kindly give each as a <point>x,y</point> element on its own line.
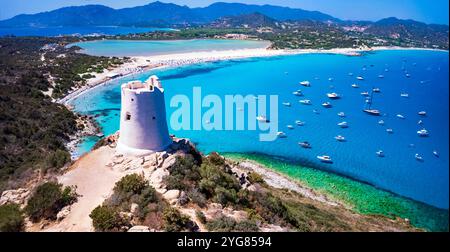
<point>140,64</point>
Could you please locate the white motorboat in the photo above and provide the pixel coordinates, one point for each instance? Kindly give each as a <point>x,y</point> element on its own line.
<point>420,122</point>
<point>315,111</point>
<point>341,114</point>
<point>281,134</point>
<point>306,102</point>
<point>359,78</point>
<point>343,124</point>
<point>376,90</point>
<point>418,157</point>
<point>305,145</point>
<point>390,131</point>
<point>374,112</point>
<point>333,96</point>
<point>287,104</point>
<point>290,127</point>
<point>365,93</point>
<point>297,93</point>
<point>355,86</point>
<point>330,79</point>
<point>422,113</point>
<point>404,95</point>
<point>381,122</point>
<point>408,75</point>
<point>325,159</point>
<point>350,74</point>
<point>435,153</point>
<point>326,105</point>
<point>380,153</point>
<point>381,76</point>
<point>339,138</point>
<point>422,132</point>
<point>262,118</point>
<point>400,116</point>
<point>305,83</point>
<point>299,123</point>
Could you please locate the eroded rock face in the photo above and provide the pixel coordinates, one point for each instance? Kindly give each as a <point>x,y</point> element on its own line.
<point>63,213</point>
<point>156,178</point>
<point>18,196</point>
<point>139,229</point>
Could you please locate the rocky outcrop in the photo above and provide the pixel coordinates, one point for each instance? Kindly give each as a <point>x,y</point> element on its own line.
<point>18,196</point>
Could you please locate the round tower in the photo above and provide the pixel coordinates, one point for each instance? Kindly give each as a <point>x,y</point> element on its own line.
<point>143,126</point>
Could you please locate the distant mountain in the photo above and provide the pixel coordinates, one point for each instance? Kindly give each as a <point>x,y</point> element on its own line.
<point>157,13</point>
<point>409,29</point>
<point>253,20</point>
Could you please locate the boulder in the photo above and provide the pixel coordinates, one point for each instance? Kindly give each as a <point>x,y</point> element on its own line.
<point>18,196</point>
<point>171,195</point>
<point>156,178</point>
<point>134,208</point>
<point>63,213</point>
<point>139,229</point>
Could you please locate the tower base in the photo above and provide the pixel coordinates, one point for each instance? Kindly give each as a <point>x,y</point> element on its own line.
<point>129,151</point>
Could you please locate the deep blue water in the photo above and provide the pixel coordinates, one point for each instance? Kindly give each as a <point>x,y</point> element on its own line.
<point>398,171</point>
<point>84,30</point>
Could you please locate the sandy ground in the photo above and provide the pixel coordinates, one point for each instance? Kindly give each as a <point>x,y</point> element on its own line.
<point>94,182</point>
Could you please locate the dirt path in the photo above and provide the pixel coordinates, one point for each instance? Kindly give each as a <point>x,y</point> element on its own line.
<point>94,181</point>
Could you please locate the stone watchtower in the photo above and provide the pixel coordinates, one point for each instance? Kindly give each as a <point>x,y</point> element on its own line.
<point>143,126</point>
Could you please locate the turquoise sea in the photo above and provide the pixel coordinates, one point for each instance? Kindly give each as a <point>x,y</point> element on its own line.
<point>78,30</point>
<point>398,172</point>
<point>121,48</point>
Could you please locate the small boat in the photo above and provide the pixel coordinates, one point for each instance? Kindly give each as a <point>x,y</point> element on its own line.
<point>365,93</point>
<point>374,112</point>
<point>376,90</point>
<point>422,113</point>
<point>423,132</point>
<point>359,78</point>
<point>262,119</point>
<point>339,138</point>
<point>386,70</point>
<point>381,122</point>
<point>341,114</point>
<point>355,86</point>
<point>299,123</point>
<point>306,102</point>
<point>315,111</point>
<point>305,145</point>
<point>325,159</point>
<point>380,153</point>
<point>381,76</point>
<point>390,131</point>
<point>400,116</point>
<point>305,83</point>
<point>435,153</point>
<point>290,127</point>
<point>100,135</point>
<point>407,75</point>
<point>350,74</point>
<point>418,157</point>
<point>330,79</point>
<point>333,96</point>
<point>419,122</point>
<point>297,93</point>
<point>281,134</point>
<point>327,105</point>
<point>343,124</point>
<point>287,104</point>
<point>404,95</point>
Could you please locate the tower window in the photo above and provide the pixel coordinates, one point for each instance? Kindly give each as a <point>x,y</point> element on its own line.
<point>127,116</point>
<point>132,99</point>
<point>154,117</point>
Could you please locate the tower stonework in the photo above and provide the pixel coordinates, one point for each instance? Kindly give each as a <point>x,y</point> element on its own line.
<point>143,125</point>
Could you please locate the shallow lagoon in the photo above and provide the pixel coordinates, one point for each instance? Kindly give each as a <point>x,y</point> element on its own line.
<point>121,48</point>
<point>397,172</point>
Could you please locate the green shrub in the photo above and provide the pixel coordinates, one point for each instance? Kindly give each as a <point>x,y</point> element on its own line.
<point>58,159</point>
<point>254,177</point>
<point>246,226</point>
<point>200,216</point>
<point>221,224</point>
<point>48,199</point>
<point>215,159</point>
<point>196,197</point>
<point>105,218</point>
<point>174,221</point>
<point>11,218</point>
<point>225,196</point>
<point>132,183</point>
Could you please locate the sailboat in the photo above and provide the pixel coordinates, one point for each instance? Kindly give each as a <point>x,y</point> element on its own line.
<point>368,109</point>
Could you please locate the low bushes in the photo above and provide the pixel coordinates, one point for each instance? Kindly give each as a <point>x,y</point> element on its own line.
<point>106,219</point>
<point>227,224</point>
<point>174,221</point>
<point>11,218</point>
<point>48,199</point>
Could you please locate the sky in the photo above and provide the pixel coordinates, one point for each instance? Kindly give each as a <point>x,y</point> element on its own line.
<point>428,11</point>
